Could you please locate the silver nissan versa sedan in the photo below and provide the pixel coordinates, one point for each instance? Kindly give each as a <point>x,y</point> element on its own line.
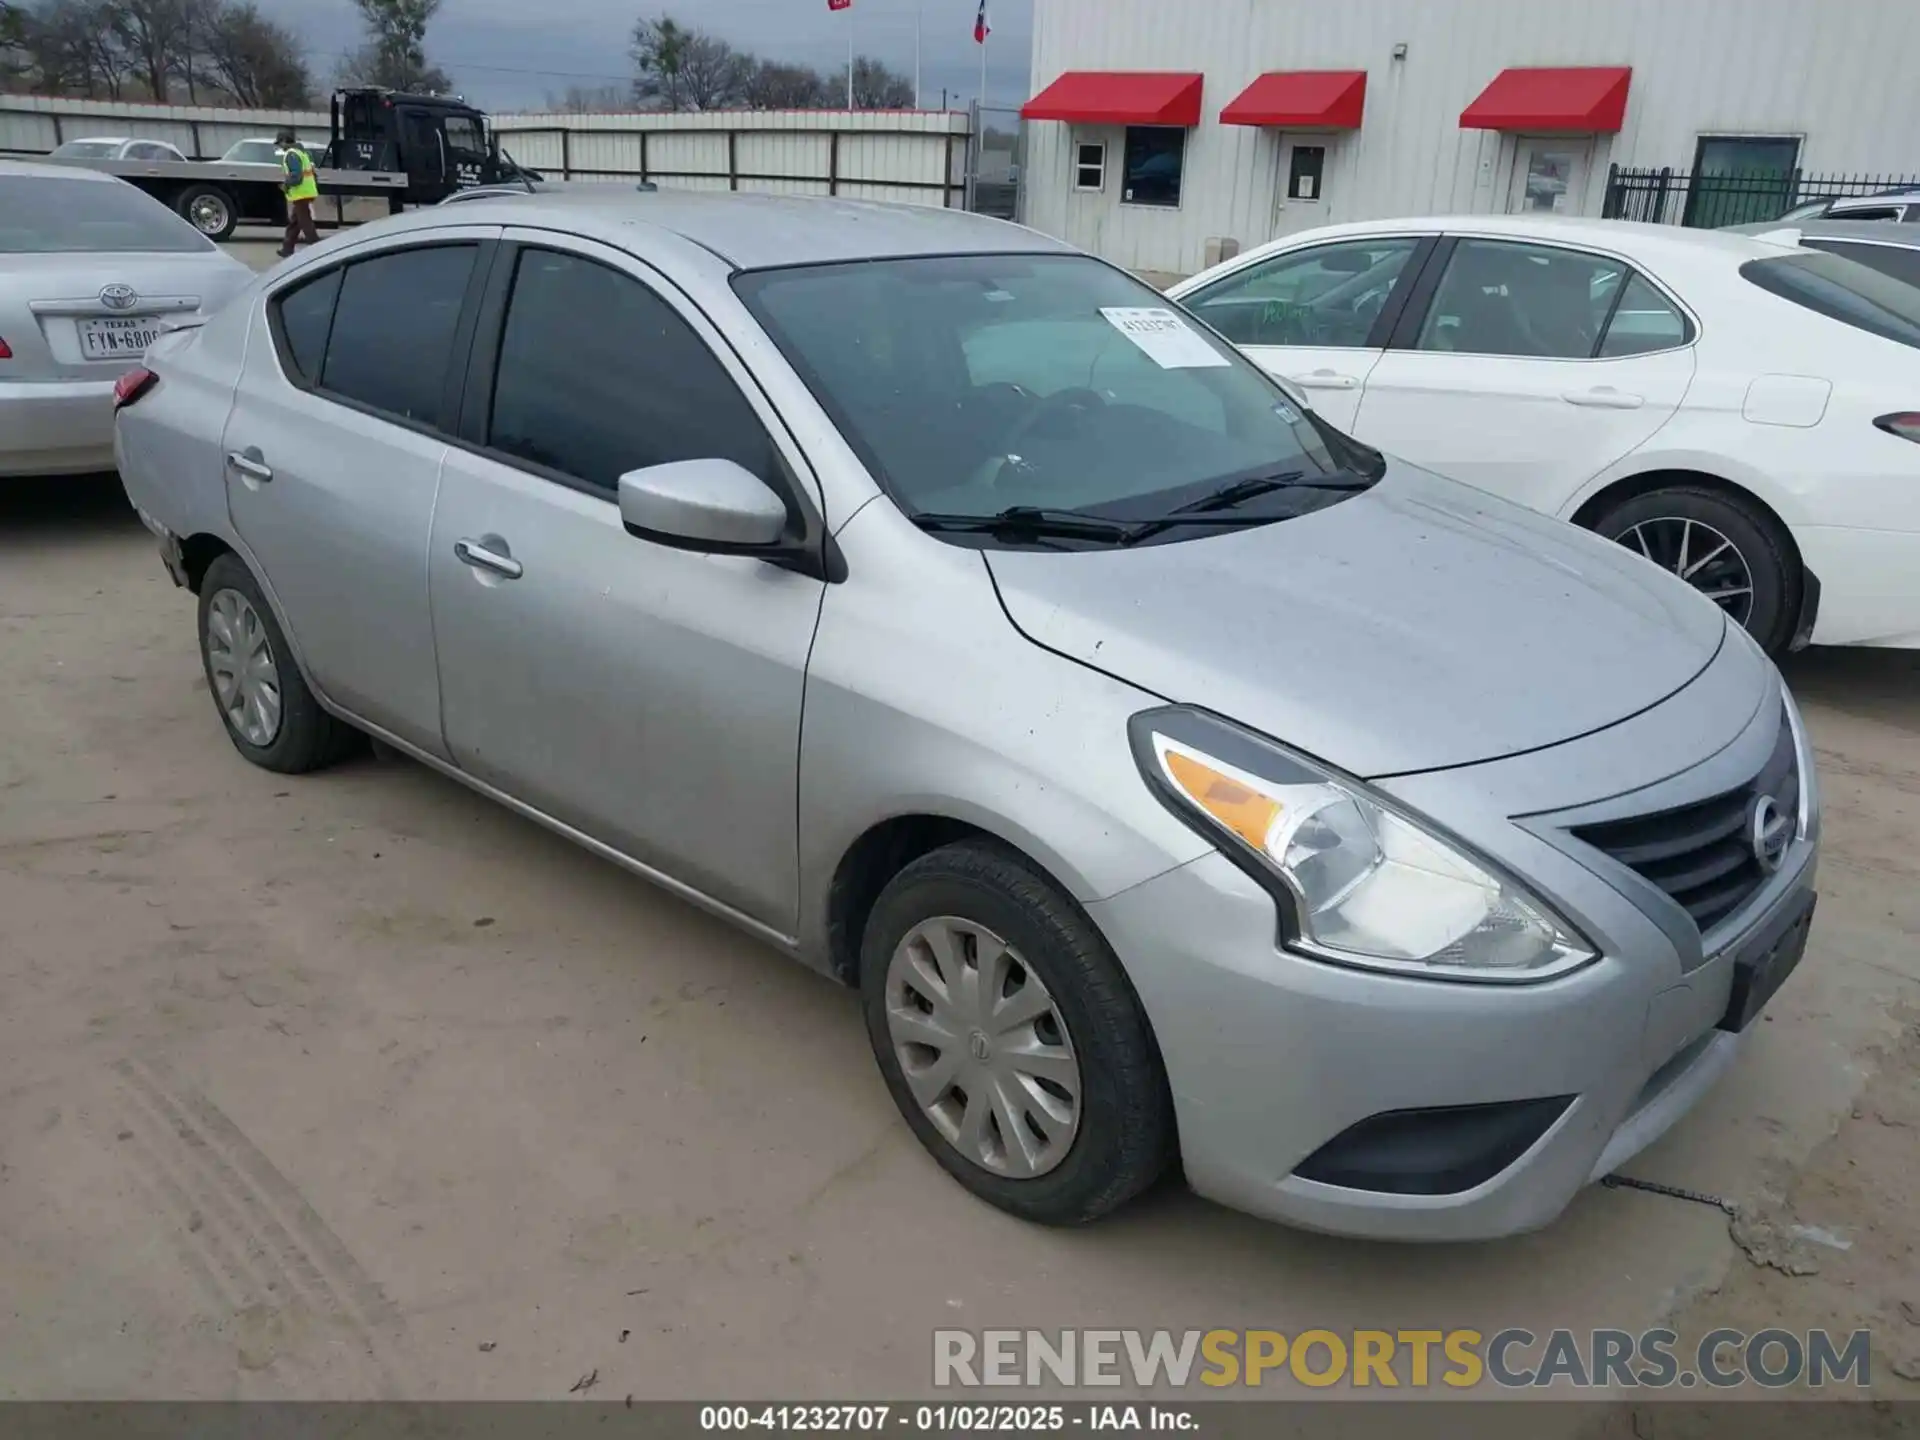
<point>1176,778</point>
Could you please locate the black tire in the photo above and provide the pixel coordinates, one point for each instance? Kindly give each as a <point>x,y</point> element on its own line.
<point>217,213</point>
<point>1126,1137</point>
<point>1761,544</point>
<point>308,738</point>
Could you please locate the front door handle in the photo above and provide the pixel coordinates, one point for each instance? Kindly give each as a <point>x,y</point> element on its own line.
<point>472,552</point>
<point>1603,397</point>
<point>251,463</point>
<point>1324,380</point>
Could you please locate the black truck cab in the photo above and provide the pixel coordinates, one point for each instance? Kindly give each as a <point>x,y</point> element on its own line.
<point>441,143</point>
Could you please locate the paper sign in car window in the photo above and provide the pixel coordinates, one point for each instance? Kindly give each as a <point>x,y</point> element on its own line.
<point>1163,336</point>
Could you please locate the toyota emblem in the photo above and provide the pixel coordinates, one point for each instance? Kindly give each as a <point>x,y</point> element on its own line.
<point>118,297</point>
<point>1769,831</point>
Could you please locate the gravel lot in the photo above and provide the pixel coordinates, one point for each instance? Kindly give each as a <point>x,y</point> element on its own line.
<point>356,1085</point>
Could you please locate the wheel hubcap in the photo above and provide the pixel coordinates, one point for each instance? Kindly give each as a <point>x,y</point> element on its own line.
<point>208,214</point>
<point>246,681</point>
<point>1699,555</point>
<point>983,1047</point>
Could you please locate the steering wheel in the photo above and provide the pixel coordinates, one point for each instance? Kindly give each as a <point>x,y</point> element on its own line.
<point>1077,402</point>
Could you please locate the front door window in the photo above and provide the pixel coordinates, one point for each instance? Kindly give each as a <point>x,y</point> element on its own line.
<point>1549,177</point>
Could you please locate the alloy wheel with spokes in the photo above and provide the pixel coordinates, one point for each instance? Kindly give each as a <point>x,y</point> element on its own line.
<point>1699,554</point>
<point>983,1047</point>
<point>241,664</point>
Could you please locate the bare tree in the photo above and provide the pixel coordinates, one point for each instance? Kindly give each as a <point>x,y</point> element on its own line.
<point>590,100</point>
<point>875,87</point>
<point>73,47</point>
<point>254,59</point>
<point>680,69</point>
<point>777,86</point>
<point>155,36</point>
<point>394,54</point>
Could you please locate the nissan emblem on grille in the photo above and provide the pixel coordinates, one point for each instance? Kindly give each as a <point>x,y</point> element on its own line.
<point>1769,830</point>
<point>118,296</point>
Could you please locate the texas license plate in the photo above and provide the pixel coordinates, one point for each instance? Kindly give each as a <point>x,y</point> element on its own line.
<point>1764,961</point>
<point>120,338</point>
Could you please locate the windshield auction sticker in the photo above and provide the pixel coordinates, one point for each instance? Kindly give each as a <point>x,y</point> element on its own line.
<point>1166,339</point>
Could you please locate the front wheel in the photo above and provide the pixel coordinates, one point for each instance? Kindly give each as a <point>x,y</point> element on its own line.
<point>1727,548</point>
<point>1010,1038</point>
<point>209,209</point>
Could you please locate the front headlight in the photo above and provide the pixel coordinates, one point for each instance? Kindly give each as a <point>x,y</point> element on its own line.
<point>1366,884</point>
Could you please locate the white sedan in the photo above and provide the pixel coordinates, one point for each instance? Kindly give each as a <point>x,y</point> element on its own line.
<point>1743,412</point>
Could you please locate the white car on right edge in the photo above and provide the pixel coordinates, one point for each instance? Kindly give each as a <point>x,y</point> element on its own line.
<point>1743,412</point>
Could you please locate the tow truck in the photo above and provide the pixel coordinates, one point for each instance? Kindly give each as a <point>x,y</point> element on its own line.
<point>406,149</point>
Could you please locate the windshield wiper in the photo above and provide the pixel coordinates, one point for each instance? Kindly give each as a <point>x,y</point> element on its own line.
<point>1251,487</point>
<point>1030,522</point>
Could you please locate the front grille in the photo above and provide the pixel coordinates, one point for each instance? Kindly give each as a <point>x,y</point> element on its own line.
<point>1702,854</point>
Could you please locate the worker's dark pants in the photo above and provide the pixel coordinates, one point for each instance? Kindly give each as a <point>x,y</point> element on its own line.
<point>300,226</point>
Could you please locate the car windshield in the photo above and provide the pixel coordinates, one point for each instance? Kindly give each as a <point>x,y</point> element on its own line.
<point>88,149</point>
<point>253,152</point>
<point>974,385</point>
<point>48,215</point>
<point>1842,290</point>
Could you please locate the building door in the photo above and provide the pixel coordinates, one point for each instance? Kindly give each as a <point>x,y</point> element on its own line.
<point>1740,179</point>
<point>1549,175</point>
<point>1299,184</point>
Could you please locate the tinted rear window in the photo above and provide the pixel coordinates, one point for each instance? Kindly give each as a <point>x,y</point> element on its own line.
<point>1842,290</point>
<point>47,215</point>
<point>1900,261</point>
<point>393,329</point>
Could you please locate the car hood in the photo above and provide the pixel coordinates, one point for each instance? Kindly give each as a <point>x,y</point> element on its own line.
<point>1417,626</point>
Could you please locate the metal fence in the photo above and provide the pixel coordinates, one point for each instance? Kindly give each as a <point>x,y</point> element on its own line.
<point>1667,196</point>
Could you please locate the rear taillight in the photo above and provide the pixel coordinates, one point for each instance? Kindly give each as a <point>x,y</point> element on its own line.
<point>132,385</point>
<point>1904,423</point>
<point>5,353</point>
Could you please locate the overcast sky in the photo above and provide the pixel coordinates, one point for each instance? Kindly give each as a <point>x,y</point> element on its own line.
<point>504,58</point>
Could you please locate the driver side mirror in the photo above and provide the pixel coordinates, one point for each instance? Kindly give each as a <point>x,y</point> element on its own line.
<point>714,505</point>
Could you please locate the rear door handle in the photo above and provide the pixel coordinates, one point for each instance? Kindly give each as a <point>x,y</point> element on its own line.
<point>1324,380</point>
<point>1603,397</point>
<point>472,552</point>
<point>251,463</point>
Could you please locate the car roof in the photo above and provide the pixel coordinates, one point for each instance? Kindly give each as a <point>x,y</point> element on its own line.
<point>1881,232</point>
<point>1625,235</point>
<point>37,170</point>
<point>752,232</point>
<point>1882,197</point>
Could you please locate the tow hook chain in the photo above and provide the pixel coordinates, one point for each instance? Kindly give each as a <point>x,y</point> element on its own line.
<point>1672,1192</point>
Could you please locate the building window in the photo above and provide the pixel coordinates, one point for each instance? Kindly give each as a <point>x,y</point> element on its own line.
<point>1155,156</point>
<point>1738,179</point>
<point>1090,166</point>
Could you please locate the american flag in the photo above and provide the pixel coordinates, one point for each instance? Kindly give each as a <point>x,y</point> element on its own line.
<point>980,27</point>
<point>839,4</point>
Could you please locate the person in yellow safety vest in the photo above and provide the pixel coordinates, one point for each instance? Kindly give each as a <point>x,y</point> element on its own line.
<point>301,190</point>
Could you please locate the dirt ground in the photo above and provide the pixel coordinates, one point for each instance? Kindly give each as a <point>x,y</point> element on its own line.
<point>357,1085</point>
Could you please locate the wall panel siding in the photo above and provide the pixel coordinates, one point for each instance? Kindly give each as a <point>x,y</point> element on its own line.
<point>1838,76</point>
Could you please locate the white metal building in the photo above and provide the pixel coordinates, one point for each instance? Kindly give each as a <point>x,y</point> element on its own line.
<point>1160,128</point>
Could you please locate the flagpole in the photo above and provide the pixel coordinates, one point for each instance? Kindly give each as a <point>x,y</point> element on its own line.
<point>919,7</point>
<point>983,72</point>
<point>850,57</point>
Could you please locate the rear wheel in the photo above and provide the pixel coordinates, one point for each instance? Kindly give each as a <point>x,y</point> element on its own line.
<point>263,700</point>
<point>1726,547</point>
<point>209,209</point>
<point>1010,1038</point>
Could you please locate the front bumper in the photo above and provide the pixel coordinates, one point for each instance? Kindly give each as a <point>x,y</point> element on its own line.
<point>1271,1055</point>
<point>56,427</point>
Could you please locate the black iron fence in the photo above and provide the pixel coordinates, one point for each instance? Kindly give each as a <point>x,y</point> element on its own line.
<point>1667,196</point>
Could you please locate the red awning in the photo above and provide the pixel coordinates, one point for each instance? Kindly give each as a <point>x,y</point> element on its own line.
<point>1119,97</point>
<point>1586,100</point>
<point>1301,100</point>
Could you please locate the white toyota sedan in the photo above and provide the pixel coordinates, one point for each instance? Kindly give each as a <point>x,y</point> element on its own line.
<point>1745,413</point>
